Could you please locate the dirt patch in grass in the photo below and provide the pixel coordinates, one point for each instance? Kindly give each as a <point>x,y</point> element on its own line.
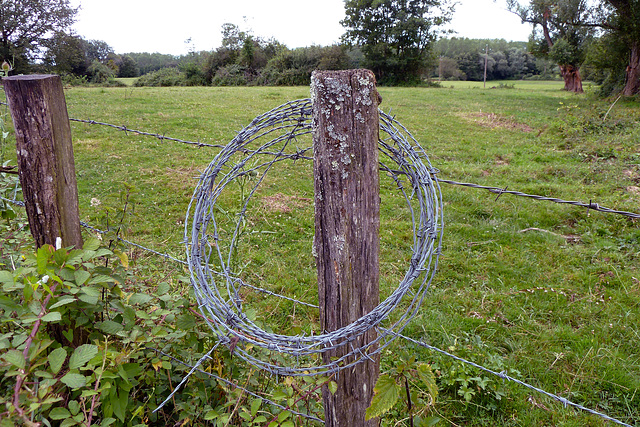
<point>282,203</point>
<point>495,121</point>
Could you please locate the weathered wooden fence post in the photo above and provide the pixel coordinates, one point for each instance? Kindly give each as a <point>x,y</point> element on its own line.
<point>45,157</point>
<point>347,223</point>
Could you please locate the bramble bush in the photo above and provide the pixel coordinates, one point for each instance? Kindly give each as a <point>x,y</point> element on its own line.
<point>80,341</point>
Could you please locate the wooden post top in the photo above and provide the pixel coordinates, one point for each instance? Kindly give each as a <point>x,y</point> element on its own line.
<point>31,77</point>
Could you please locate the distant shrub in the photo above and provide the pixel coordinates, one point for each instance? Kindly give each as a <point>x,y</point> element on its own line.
<point>162,77</point>
<point>231,75</point>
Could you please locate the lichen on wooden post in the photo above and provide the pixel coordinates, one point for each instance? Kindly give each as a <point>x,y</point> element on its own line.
<point>347,223</point>
<point>45,157</point>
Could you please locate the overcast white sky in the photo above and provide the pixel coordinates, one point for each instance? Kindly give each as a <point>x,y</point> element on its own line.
<point>164,26</point>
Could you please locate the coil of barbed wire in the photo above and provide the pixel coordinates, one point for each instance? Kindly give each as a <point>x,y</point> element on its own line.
<point>271,138</point>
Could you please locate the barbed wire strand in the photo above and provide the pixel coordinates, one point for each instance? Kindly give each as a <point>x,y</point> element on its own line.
<point>202,232</point>
<point>504,375</point>
<point>299,155</point>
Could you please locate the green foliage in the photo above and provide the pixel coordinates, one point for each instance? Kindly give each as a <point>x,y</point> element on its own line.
<point>27,26</point>
<point>411,382</point>
<point>99,72</point>
<point>532,297</point>
<point>162,78</point>
<point>395,36</point>
<point>463,59</point>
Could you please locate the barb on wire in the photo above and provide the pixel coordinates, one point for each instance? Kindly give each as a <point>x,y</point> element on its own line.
<point>504,375</point>
<point>500,191</point>
<point>219,289</point>
<point>139,132</point>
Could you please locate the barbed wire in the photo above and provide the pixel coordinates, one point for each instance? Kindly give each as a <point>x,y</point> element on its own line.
<point>505,376</point>
<point>295,128</point>
<point>501,191</point>
<point>221,302</point>
<point>195,368</point>
<point>126,130</point>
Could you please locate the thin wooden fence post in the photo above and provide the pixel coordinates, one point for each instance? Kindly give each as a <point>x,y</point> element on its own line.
<point>347,223</point>
<point>45,157</point>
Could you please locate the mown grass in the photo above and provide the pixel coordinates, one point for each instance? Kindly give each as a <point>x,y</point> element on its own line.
<point>549,290</point>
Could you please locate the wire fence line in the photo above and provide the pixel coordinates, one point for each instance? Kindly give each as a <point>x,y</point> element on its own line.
<point>505,376</point>
<point>299,154</point>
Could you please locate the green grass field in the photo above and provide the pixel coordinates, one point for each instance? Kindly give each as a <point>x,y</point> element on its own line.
<point>546,292</point>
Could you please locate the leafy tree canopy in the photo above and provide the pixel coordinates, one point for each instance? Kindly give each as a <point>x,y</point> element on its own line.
<point>395,35</point>
<point>26,27</point>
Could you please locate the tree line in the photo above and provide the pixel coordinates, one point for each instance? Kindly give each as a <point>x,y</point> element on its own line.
<point>400,40</point>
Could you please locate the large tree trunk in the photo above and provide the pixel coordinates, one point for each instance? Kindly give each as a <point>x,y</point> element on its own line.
<point>632,83</point>
<point>572,79</point>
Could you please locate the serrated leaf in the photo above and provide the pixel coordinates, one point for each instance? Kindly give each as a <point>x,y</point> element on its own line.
<point>81,276</point>
<point>185,322</point>
<point>6,277</point>
<point>386,394</point>
<point>100,278</point>
<point>139,298</point>
<point>67,299</point>
<point>89,299</point>
<point>110,327</point>
<point>91,291</point>
<point>333,387</point>
<point>124,259</point>
<point>59,413</point>
<point>91,244</point>
<point>54,316</point>
<point>82,355</point>
<point>74,380</point>
<point>429,379</point>
<point>69,422</point>
<point>15,357</point>
<point>56,359</point>
<point>255,405</point>
<point>163,288</point>
<point>283,416</point>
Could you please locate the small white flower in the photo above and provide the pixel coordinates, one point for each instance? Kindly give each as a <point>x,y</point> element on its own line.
<point>44,279</point>
<point>95,202</point>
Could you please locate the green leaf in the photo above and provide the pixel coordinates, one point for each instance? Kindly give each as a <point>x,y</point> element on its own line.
<point>163,288</point>
<point>110,327</point>
<point>283,416</point>
<point>74,380</point>
<point>66,299</point>
<point>15,357</point>
<point>68,423</point>
<point>54,316</point>
<point>81,276</point>
<point>387,392</point>
<point>211,415</point>
<point>91,244</point>
<point>429,379</point>
<point>100,278</point>
<point>6,277</point>
<point>59,413</point>
<point>56,359</point>
<point>139,298</point>
<point>89,299</point>
<point>82,355</point>
<point>333,387</point>
<point>186,322</point>
<point>255,405</point>
<point>74,407</point>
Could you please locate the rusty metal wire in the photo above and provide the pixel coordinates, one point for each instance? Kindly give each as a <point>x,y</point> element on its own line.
<point>221,289</point>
